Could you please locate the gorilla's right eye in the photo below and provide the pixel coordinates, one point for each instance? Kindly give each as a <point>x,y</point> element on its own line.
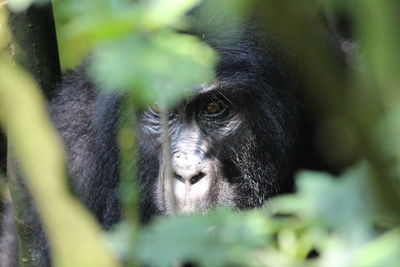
<point>215,109</point>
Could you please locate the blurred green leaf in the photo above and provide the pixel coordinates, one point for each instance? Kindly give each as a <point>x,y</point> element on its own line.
<point>161,13</point>
<point>345,204</point>
<point>164,66</point>
<point>42,161</point>
<point>84,25</point>
<point>214,240</point>
<point>383,251</point>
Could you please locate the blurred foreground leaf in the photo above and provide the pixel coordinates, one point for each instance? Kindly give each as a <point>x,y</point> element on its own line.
<point>84,25</point>
<point>75,237</point>
<point>384,251</point>
<point>346,205</point>
<point>163,66</point>
<point>218,239</point>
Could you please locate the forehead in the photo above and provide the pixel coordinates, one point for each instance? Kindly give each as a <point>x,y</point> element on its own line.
<point>245,61</point>
<point>236,66</point>
<point>242,61</point>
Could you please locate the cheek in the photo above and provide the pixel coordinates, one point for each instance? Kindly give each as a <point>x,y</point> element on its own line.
<point>235,153</point>
<point>218,130</point>
<point>234,124</point>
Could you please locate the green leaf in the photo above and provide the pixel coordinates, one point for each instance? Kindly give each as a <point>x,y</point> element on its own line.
<point>345,204</point>
<point>161,13</point>
<point>214,240</point>
<point>166,65</point>
<point>75,236</point>
<point>383,251</point>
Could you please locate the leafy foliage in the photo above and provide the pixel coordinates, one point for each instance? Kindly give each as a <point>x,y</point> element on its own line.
<point>135,38</point>
<point>350,220</point>
<point>333,216</point>
<point>154,67</point>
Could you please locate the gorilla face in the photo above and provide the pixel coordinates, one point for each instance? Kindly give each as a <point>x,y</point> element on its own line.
<point>198,129</point>
<point>232,144</point>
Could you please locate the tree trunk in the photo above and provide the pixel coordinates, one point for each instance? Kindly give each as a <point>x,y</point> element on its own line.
<point>34,33</point>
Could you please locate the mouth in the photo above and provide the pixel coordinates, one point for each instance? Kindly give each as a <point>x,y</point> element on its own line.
<point>186,196</point>
<point>192,197</point>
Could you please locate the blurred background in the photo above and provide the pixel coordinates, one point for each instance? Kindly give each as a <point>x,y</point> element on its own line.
<point>346,205</point>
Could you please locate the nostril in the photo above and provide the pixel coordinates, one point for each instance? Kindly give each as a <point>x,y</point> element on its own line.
<point>196,178</point>
<point>180,178</point>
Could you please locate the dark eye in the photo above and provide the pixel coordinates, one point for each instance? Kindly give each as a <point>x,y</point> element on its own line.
<point>214,109</point>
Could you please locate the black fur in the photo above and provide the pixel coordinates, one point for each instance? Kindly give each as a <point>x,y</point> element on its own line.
<point>8,237</point>
<point>256,160</point>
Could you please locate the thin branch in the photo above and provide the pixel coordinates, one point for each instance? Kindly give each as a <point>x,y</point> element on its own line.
<point>167,178</point>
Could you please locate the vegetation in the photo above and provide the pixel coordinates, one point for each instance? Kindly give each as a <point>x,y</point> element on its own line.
<point>349,220</point>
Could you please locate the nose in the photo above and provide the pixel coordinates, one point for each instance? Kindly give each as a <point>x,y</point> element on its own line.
<point>188,167</point>
<point>192,179</point>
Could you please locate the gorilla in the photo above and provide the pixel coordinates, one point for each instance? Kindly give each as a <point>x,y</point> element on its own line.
<point>234,143</point>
